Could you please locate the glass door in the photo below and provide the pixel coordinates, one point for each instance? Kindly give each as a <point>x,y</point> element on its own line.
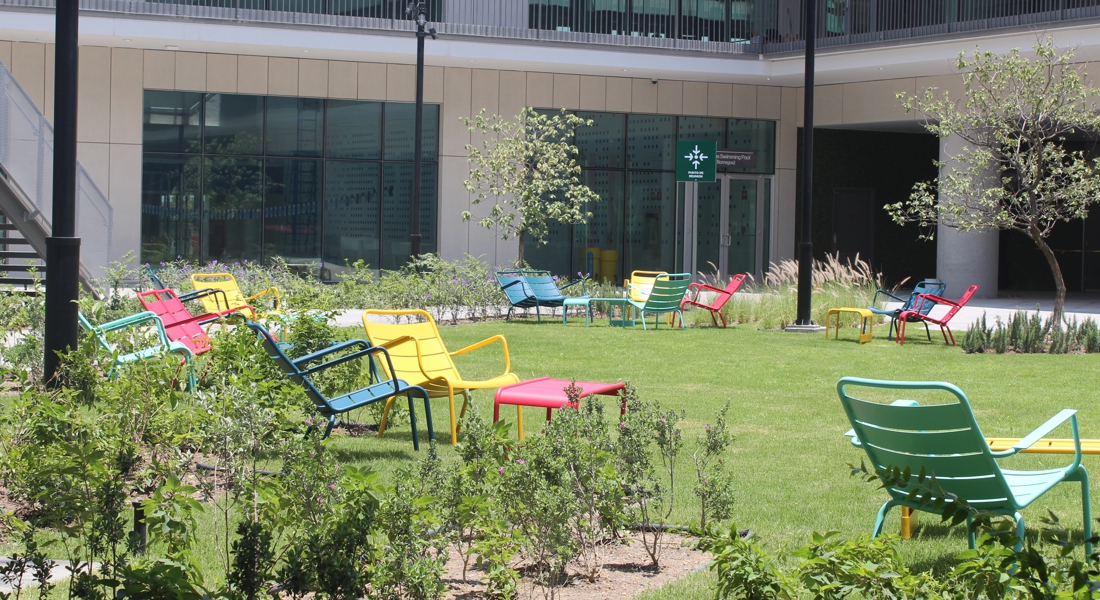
<point>732,219</point>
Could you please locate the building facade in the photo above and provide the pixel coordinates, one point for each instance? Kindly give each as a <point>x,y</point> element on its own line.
<point>251,129</point>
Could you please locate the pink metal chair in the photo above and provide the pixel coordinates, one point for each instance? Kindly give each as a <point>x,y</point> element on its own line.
<point>915,315</point>
<point>715,305</point>
<point>179,324</point>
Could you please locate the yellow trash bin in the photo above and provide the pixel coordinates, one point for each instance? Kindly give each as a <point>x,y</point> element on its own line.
<point>609,263</point>
<point>590,262</point>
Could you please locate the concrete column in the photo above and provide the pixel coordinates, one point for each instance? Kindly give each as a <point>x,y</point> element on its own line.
<point>965,258</point>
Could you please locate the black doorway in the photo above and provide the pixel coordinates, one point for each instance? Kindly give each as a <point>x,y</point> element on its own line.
<point>854,223</point>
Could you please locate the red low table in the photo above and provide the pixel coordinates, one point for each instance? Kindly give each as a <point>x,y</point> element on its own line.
<point>549,394</point>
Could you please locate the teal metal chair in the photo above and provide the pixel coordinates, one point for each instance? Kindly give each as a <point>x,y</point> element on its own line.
<point>944,440</point>
<point>160,342</point>
<point>927,286</point>
<point>386,390</point>
<point>534,289</point>
<point>664,298</point>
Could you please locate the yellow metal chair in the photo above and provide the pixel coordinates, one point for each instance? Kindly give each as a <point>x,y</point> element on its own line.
<point>640,284</point>
<point>226,283</point>
<point>420,359</point>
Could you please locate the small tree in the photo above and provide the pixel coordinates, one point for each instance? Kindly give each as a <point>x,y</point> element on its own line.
<point>1015,172</point>
<point>528,166</point>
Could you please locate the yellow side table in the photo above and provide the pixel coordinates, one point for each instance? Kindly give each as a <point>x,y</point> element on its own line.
<point>866,328</point>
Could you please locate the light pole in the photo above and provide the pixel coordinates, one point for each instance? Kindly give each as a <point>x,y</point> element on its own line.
<point>419,9</point>
<point>63,247</point>
<point>803,322</point>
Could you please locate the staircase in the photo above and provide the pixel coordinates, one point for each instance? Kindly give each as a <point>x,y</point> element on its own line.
<point>26,196</point>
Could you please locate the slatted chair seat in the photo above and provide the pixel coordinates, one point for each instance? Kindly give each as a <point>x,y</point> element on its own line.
<point>944,442</point>
<point>640,283</point>
<point>385,390</point>
<point>179,324</point>
<point>928,286</point>
<point>534,289</point>
<point>231,297</point>
<point>420,357</point>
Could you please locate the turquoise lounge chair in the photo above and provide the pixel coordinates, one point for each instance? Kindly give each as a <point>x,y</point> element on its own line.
<point>945,442</point>
<point>537,289</point>
<point>664,298</point>
<point>928,286</point>
<point>160,342</point>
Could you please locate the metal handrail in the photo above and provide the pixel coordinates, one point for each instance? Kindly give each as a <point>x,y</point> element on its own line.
<point>26,156</point>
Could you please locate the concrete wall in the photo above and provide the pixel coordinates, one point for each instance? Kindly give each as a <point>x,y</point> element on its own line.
<point>110,114</point>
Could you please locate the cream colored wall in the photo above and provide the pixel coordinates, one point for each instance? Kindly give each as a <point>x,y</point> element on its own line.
<point>110,113</point>
<point>872,101</point>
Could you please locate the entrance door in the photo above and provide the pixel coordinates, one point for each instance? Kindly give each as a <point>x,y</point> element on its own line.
<point>731,218</point>
<point>854,224</point>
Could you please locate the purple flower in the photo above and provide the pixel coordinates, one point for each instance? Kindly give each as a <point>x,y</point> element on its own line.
<point>706,427</point>
<point>622,425</point>
<point>318,500</point>
<point>214,262</point>
<point>332,486</point>
<point>520,461</point>
<point>178,257</point>
<point>662,419</point>
<point>162,264</point>
<point>501,470</point>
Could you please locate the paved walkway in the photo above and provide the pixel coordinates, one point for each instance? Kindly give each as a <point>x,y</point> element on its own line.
<point>1079,305</point>
<point>59,572</point>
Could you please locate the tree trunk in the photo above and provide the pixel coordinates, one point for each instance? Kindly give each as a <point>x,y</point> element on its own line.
<point>519,257</point>
<point>1056,270</point>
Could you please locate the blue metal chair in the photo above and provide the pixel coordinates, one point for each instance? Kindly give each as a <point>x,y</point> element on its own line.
<point>160,344</point>
<point>928,286</point>
<point>385,390</point>
<point>527,289</point>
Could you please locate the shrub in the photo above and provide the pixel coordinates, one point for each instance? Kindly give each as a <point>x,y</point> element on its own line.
<point>1028,333</point>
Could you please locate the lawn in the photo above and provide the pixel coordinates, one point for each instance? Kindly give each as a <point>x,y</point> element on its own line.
<point>790,457</point>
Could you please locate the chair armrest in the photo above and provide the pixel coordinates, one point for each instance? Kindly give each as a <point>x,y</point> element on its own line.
<point>211,317</point>
<point>204,292</point>
<point>703,286</point>
<point>272,289</point>
<point>874,299</point>
<point>937,299</point>
<point>486,342</point>
<point>134,320</point>
<point>1043,430</point>
<point>326,351</point>
<point>508,285</point>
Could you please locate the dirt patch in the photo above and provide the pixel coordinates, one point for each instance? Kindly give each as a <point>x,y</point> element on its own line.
<point>626,573</point>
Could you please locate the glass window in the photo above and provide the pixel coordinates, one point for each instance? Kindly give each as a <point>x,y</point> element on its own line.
<point>292,212</point>
<point>295,126</point>
<point>400,127</point>
<point>651,142</point>
<point>352,212</point>
<point>603,231</point>
<point>232,219</point>
<point>354,130</point>
<point>757,136</point>
<point>234,124</point>
<point>601,145</point>
<point>172,121</point>
<point>651,222</point>
<point>170,188</point>
<point>553,254</point>
<point>703,129</point>
<point>396,215</point>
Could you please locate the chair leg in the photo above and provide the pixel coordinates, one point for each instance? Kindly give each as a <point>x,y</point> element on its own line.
<point>971,540</point>
<point>927,331</point>
<point>385,416</point>
<point>950,333</point>
<point>881,517</point>
<point>412,423</point>
<point>1086,511</point>
<point>1021,532</point>
<point>900,338</point>
<point>454,423</point>
<point>683,325</point>
<point>328,429</point>
<point>509,316</point>
<point>428,416</point>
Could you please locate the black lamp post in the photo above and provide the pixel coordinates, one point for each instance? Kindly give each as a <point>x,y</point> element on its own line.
<point>805,247</point>
<point>63,247</point>
<point>419,9</point>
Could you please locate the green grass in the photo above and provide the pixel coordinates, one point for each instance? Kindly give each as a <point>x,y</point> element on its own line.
<point>789,456</point>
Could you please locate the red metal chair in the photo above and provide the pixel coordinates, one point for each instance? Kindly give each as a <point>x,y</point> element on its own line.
<point>179,324</point>
<point>915,315</point>
<point>715,305</point>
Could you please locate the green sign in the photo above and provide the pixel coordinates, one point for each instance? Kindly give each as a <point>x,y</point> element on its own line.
<point>695,161</point>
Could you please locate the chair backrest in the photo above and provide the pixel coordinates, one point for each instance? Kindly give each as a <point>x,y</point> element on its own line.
<point>961,303</point>
<point>275,351</point>
<point>543,286</point>
<point>178,321</point>
<point>667,292</point>
<point>99,335</point>
<point>514,285</point>
<point>927,286</point>
<point>942,439</point>
<point>727,292</point>
<point>640,283</point>
<point>436,360</point>
<point>218,281</point>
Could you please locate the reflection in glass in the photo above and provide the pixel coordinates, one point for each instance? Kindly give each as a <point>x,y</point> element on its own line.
<point>742,226</point>
<point>651,142</point>
<point>354,130</point>
<point>601,145</point>
<point>234,124</point>
<point>400,122</point>
<point>352,212</point>
<point>295,126</point>
<point>651,220</point>
<point>703,129</point>
<point>396,219</point>
<point>172,121</point>
<point>553,255</point>
<point>708,227</point>
<point>169,208</point>
<point>758,136</point>
<point>292,210</point>
<point>603,230</point>
<point>232,215</point>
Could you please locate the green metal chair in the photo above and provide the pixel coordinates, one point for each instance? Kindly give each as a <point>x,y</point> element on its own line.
<point>160,343</point>
<point>664,298</point>
<point>944,440</point>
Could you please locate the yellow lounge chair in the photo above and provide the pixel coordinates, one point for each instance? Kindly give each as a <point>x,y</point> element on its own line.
<point>421,359</point>
<point>226,283</point>
<point>640,284</point>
